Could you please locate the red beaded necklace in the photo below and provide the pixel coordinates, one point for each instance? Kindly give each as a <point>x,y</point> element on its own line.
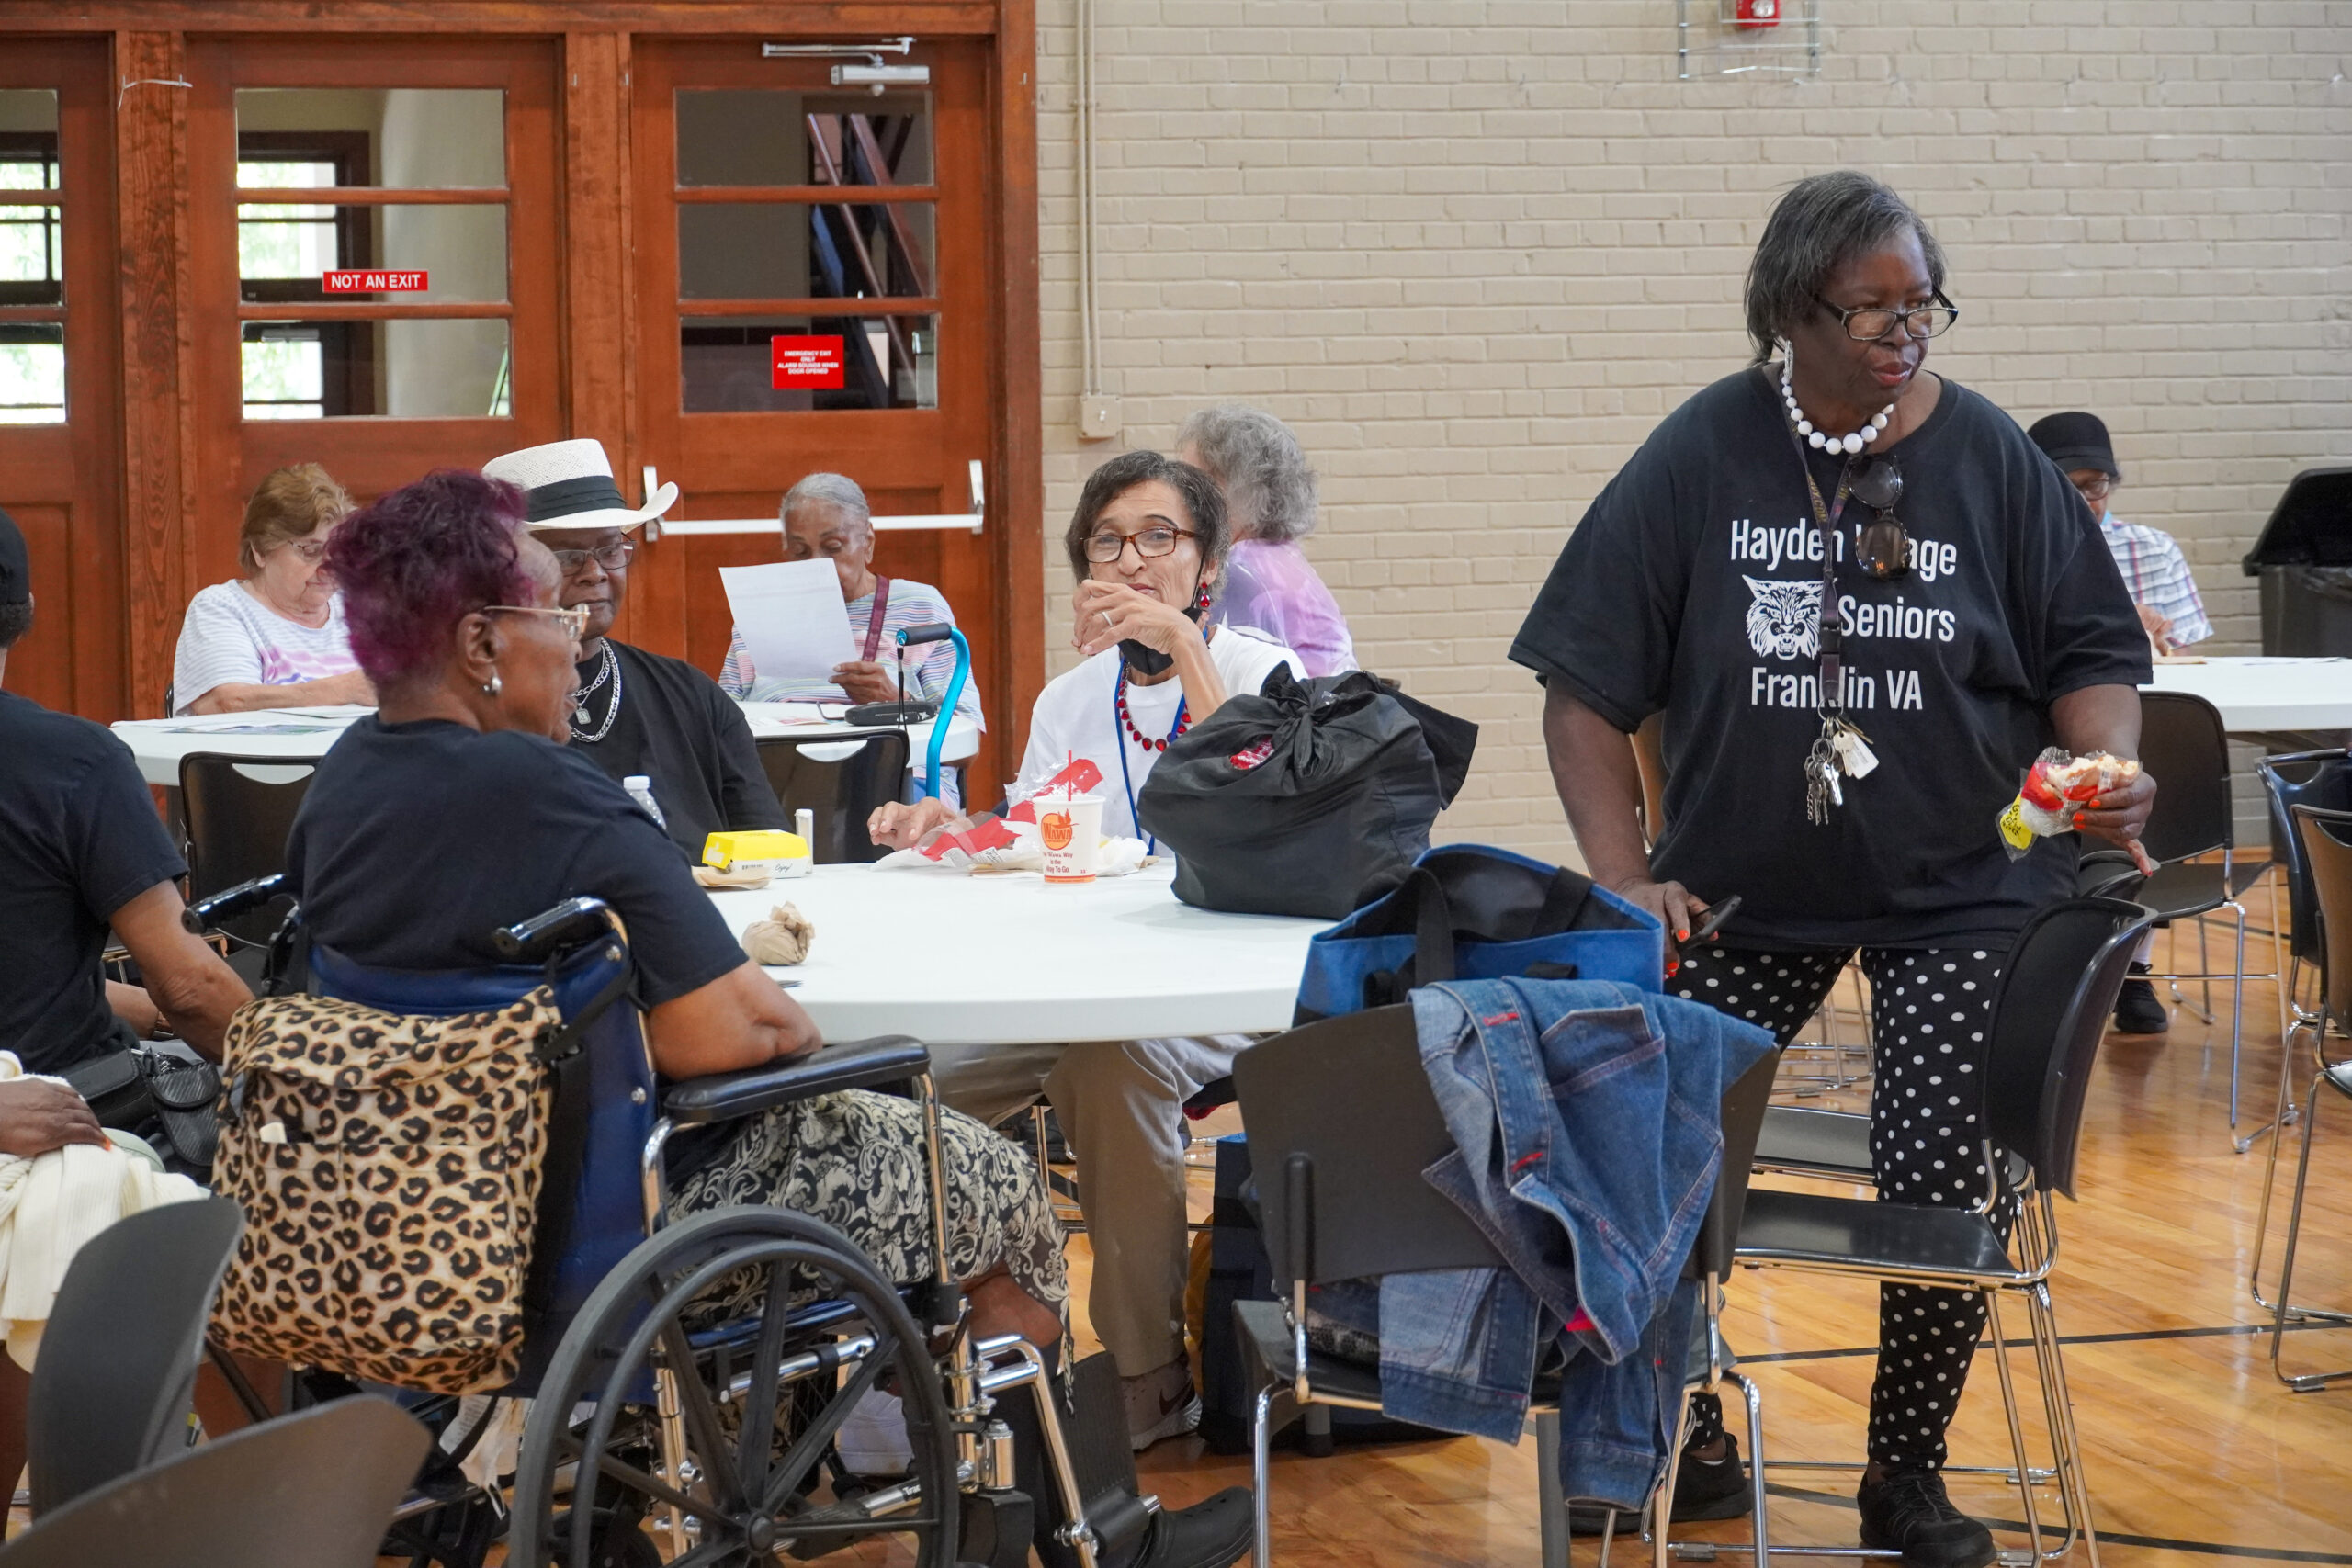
<point>1183,718</point>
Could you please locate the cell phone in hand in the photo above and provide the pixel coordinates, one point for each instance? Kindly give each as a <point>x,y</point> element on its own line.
<point>1719,912</point>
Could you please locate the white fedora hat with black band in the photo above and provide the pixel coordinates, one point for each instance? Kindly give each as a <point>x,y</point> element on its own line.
<point>569,484</point>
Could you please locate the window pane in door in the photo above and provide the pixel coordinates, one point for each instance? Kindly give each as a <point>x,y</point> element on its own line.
<point>784,251</point>
<point>404,369</point>
<point>32,373</point>
<point>32,257</point>
<point>419,138</point>
<point>283,249</point>
<point>773,137</point>
<point>726,363</point>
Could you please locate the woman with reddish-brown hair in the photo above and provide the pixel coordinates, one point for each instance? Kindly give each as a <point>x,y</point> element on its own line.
<point>275,637</point>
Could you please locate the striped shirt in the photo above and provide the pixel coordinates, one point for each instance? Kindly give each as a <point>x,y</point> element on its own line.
<point>929,666</point>
<point>232,638</point>
<point>2157,574</point>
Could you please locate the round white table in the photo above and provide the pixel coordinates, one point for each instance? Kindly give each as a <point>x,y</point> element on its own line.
<point>2259,695</point>
<point>303,735</point>
<point>951,958</point>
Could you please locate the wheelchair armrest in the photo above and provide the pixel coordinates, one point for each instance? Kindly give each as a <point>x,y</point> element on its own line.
<point>231,902</point>
<point>855,1064</point>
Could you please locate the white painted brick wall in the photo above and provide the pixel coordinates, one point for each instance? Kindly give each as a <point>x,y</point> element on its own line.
<point>1473,250</point>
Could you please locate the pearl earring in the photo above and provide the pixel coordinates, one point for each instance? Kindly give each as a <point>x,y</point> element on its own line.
<point>493,686</point>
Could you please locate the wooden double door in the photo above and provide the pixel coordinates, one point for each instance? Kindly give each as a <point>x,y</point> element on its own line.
<point>594,233</point>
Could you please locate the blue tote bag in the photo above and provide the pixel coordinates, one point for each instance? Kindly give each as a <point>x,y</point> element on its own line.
<point>1472,912</point>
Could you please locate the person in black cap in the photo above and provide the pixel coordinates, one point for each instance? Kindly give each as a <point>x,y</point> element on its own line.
<point>637,713</point>
<point>2156,575</point>
<point>81,851</point>
<point>2153,570</point>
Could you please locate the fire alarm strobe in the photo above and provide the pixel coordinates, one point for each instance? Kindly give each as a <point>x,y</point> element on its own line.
<point>1755,14</point>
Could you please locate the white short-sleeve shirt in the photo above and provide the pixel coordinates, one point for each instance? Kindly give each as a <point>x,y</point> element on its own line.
<point>1076,715</point>
<point>232,638</point>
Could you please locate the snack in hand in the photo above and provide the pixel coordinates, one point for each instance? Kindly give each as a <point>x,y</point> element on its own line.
<point>2056,789</point>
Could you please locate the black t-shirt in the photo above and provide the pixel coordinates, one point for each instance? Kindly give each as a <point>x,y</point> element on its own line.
<point>1692,586</point>
<point>79,839</point>
<point>417,841</point>
<point>688,736</point>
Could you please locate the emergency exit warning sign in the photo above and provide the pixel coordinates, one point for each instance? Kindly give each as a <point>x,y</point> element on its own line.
<point>359,282</point>
<point>806,362</point>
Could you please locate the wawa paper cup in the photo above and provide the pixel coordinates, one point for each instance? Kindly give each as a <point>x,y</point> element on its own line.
<point>1071,832</point>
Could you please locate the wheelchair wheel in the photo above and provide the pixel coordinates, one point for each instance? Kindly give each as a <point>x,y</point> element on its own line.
<point>739,1465</point>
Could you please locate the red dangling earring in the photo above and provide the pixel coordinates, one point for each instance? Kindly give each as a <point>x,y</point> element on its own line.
<point>1202,602</point>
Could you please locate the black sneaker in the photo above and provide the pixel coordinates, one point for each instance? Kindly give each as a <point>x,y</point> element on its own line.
<point>1213,1533</point>
<point>1703,1489</point>
<point>2137,1011</point>
<point>1907,1511</point>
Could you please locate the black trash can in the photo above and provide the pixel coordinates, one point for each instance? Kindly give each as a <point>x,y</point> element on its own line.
<point>2305,558</point>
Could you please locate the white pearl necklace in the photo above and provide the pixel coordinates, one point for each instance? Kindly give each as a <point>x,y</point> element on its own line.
<point>1848,443</point>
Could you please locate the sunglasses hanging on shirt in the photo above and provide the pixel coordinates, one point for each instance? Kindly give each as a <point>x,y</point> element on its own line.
<point>1883,549</point>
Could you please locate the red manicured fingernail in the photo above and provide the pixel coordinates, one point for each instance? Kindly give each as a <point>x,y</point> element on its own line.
<point>1682,936</point>
<point>2078,818</point>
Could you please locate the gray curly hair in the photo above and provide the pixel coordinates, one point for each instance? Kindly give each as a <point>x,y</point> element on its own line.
<point>1255,459</point>
<point>834,489</point>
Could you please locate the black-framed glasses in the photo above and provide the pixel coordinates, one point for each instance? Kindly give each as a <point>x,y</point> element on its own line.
<point>1872,323</point>
<point>1883,549</point>
<point>2098,487</point>
<point>612,557</point>
<point>1149,543</point>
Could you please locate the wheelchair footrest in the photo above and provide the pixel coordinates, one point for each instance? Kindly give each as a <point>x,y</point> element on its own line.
<point>997,1530</point>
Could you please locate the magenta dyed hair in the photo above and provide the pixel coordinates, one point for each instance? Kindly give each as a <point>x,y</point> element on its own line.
<point>419,560</point>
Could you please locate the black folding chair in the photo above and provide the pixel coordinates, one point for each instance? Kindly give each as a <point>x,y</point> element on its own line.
<point>2049,1015</point>
<point>1341,1197</point>
<point>2326,846</point>
<point>842,782</point>
<point>117,1373</point>
<point>239,811</point>
<point>2184,744</point>
<point>313,1490</point>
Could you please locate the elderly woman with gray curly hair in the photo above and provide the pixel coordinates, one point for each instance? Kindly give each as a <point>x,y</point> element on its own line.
<point>1270,496</point>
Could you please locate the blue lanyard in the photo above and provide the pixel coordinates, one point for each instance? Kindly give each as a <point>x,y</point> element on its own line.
<point>1118,722</point>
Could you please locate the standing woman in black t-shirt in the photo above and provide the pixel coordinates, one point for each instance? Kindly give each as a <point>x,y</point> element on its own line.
<point>1846,785</point>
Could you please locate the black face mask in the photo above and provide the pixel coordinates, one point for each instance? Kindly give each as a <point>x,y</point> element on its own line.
<point>1145,660</point>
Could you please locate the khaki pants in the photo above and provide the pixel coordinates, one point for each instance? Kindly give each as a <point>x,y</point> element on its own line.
<point>1120,1103</point>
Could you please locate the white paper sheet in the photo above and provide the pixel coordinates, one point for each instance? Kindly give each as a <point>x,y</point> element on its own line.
<point>792,617</point>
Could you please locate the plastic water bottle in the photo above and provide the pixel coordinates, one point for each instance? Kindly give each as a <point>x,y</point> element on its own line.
<point>640,790</point>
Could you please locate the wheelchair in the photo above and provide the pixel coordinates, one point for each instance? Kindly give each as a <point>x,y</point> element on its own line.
<point>658,1430</point>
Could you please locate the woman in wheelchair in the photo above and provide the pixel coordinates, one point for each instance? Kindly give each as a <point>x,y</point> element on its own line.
<point>455,809</point>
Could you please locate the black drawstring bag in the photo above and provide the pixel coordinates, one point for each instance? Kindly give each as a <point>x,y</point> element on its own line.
<point>1309,798</point>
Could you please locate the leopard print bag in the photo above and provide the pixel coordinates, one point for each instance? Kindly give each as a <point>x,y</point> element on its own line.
<point>390,1169</point>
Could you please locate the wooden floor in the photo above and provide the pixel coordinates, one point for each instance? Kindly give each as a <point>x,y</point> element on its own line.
<point>2195,1450</point>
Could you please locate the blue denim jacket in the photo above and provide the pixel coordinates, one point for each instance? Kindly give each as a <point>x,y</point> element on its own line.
<point>1585,1119</point>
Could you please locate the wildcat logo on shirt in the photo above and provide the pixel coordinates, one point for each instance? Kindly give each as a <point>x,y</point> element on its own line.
<point>1784,622</point>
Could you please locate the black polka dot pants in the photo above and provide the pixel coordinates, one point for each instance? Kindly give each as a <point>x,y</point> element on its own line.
<point>1929,1013</point>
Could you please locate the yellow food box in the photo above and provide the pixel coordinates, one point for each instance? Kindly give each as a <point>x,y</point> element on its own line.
<point>778,852</point>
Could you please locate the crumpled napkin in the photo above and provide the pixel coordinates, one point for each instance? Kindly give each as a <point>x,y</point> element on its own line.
<point>783,938</point>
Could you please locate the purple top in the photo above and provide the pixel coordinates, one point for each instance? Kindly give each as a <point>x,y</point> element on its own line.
<point>1274,589</point>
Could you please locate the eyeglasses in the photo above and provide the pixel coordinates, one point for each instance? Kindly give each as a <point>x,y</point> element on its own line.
<point>1872,323</point>
<point>2098,487</point>
<point>612,557</point>
<point>1883,549</point>
<point>1150,544</point>
<point>575,620</point>
<point>309,552</point>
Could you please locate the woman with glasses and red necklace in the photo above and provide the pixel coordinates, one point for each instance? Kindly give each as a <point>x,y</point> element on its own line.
<point>1843,772</point>
<point>1148,544</point>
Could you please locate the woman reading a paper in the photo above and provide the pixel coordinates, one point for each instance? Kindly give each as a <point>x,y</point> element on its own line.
<point>1148,544</point>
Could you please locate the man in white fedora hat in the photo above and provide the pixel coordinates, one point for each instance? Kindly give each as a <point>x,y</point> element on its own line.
<point>637,713</point>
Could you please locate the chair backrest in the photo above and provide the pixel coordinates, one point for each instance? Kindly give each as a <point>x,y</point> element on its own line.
<point>595,1213</point>
<point>117,1372</point>
<point>239,811</point>
<point>1341,1192</point>
<point>311,1490</point>
<point>2326,838</point>
<point>2056,992</point>
<point>2322,779</point>
<point>841,782</point>
<point>2183,743</point>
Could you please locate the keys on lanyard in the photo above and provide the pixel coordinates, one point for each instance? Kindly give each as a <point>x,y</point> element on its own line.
<point>1843,752</point>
